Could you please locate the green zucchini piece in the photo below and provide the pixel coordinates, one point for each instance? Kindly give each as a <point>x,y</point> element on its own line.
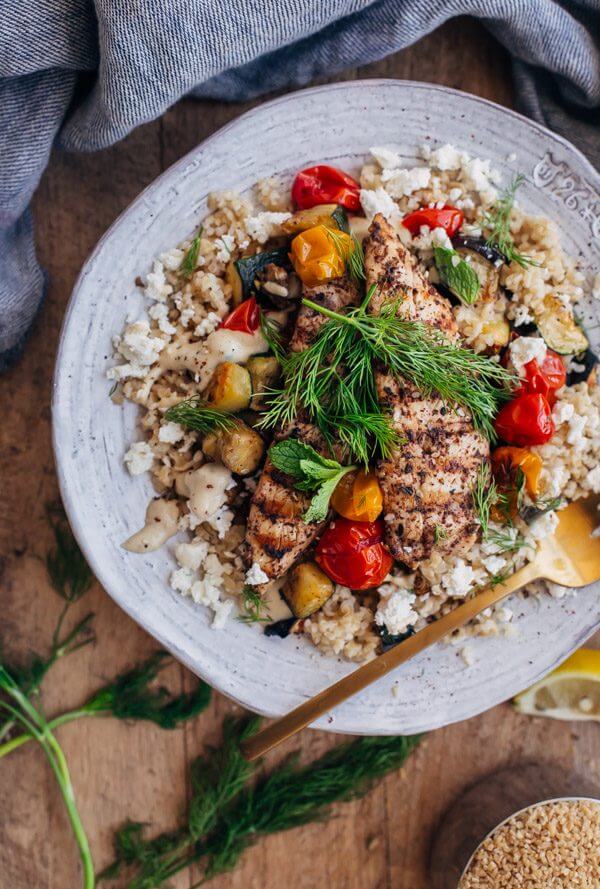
<point>340,218</point>
<point>248,267</point>
<point>558,327</point>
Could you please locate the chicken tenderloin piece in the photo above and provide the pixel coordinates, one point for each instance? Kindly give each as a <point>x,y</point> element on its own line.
<point>427,482</point>
<point>276,535</point>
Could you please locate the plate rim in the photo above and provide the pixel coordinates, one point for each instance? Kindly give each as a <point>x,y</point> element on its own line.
<point>58,384</point>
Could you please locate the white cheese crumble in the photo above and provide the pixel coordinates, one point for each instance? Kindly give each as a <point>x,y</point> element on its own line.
<point>377,200</point>
<point>525,349</point>
<point>157,287</point>
<point>428,238</point>
<point>139,458</point>
<point>593,479</point>
<point>160,313</point>
<point>208,324</point>
<point>139,345</point>
<point>265,225</point>
<point>191,555</point>
<point>459,580</point>
<point>171,433</point>
<point>395,611</point>
<point>402,183</point>
<point>386,158</point>
<point>186,316</point>
<point>255,575</point>
<point>544,526</point>
<point>447,157</point>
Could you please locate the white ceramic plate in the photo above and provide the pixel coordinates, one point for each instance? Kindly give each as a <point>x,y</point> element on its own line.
<point>333,124</point>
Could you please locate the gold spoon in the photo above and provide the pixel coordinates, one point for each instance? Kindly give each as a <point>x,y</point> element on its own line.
<point>570,557</point>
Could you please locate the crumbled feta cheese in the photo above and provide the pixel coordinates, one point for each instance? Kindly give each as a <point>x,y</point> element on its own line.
<point>562,412</point>
<point>466,653</point>
<point>386,158</point>
<point>447,157</point>
<point>504,614</point>
<point>130,371</point>
<point>160,313</point>
<point>172,259</point>
<point>395,611</point>
<point>494,564</point>
<point>221,521</point>
<point>182,580</point>
<point>191,555</point>
<point>265,225</point>
<point>544,526</point>
<point>139,458</point>
<point>224,245</point>
<point>379,201</point>
<point>459,580</point>
<point>575,436</point>
<point>521,315</point>
<point>171,433</point>
<point>139,346</point>
<point>427,239</point>
<point>186,316</point>
<point>208,324</point>
<point>593,479</point>
<point>478,176</point>
<point>157,287</point>
<point>255,575</point>
<point>401,183</point>
<point>525,349</point>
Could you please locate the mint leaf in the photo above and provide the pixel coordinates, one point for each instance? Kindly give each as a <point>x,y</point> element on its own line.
<point>289,454</point>
<point>319,505</point>
<point>459,277</point>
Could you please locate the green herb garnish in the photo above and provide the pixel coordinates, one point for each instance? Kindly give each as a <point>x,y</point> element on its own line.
<point>271,332</point>
<point>498,222</point>
<point>457,274</point>
<point>485,495</point>
<point>334,379</point>
<point>439,534</point>
<point>229,811</point>
<point>354,258</point>
<point>190,260</point>
<point>194,413</point>
<point>312,472</point>
<point>253,605</point>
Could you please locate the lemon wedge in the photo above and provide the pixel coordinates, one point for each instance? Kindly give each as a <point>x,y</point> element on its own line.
<point>572,691</point>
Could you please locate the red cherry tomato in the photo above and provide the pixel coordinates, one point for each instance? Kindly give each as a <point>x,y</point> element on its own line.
<point>352,553</point>
<point>545,379</point>
<point>526,420</point>
<point>325,185</point>
<point>449,218</point>
<point>245,318</point>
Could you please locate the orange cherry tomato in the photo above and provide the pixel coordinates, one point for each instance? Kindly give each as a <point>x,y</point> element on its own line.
<point>506,460</point>
<point>526,420</point>
<point>449,218</point>
<point>353,554</point>
<point>325,185</point>
<point>316,257</point>
<point>245,318</point>
<point>358,497</point>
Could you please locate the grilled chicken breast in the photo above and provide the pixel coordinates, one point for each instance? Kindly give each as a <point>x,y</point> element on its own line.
<point>276,535</point>
<point>427,483</point>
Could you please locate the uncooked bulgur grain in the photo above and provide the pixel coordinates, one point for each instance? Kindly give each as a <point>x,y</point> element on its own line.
<point>554,845</point>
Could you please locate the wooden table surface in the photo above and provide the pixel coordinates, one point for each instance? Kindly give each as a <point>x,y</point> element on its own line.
<point>139,771</point>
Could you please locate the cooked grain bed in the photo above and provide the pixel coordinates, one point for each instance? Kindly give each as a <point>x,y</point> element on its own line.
<point>553,846</point>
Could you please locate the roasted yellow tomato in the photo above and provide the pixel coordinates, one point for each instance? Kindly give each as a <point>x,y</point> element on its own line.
<point>507,462</point>
<point>358,497</point>
<point>317,256</point>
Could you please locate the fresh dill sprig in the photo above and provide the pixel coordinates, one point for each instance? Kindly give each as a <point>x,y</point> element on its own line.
<point>498,223</point>
<point>194,413</point>
<point>485,496</point>
<point>507,540</point>
<point>228,812</point>
<point>271,332</point>
<point>253,605</point>
<point>541,506</point>
<point>335,377</point>
<point>190,260</point>
<point>311,472</point>
<point>353,256</point>
<point>131,696</point>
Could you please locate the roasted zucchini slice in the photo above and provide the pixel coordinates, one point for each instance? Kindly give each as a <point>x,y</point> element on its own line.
<point>265,371</point>
<point>322,214</point>
<point>242,273</point>
<point>559,329</point>
<point>230,388</point>
<point>240,448</point>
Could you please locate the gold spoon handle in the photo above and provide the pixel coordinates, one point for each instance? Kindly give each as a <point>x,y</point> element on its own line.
<point>330,697</point>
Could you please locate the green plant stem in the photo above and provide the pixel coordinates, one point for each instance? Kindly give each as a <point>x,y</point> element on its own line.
<point>55,723</point>
<point>35,723</point>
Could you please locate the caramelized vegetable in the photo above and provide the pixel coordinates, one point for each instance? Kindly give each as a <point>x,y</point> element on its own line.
<point>321,214</point>
<point>317,258</point>
<point>506,463</point>
<point>265,371</point>
<point>230,388</point>
<point>307,589</point>
<point>240,449</point>
<point>358,497</point>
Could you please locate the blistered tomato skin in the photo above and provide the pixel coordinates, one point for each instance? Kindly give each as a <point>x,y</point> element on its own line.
<point>526,420</point>
<point>353,554</point>
<point>325,185</point>
<point>544,379</point>
<point>449,218</point>
<point>246,318</point>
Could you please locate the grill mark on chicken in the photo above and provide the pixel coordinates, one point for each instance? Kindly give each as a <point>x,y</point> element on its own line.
<point>428,481</point>
<point>276,535</point>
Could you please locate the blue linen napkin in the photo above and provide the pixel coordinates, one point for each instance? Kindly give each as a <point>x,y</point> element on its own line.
<point>81,74</point>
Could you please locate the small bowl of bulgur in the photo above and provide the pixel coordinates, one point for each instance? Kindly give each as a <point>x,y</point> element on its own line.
<point>553,844</point>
